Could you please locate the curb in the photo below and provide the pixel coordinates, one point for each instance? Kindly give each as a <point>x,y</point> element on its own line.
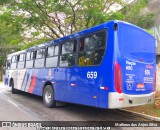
<point>143,115</point>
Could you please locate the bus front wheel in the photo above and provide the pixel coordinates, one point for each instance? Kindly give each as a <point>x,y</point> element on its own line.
<point>48,96</point>
<point>12,86</point>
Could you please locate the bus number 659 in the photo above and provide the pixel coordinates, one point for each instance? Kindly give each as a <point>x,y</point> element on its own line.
<point>91,75</point>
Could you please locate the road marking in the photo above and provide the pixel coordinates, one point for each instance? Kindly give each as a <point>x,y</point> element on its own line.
<point>12,102</point>
<point>4,97</point>
<point>2,91</point>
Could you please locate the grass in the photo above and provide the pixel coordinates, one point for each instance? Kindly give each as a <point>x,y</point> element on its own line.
<point>146,109</point>
<point>150,109</point>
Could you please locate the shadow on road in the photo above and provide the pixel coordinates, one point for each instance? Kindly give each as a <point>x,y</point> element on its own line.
<point>70,112</point>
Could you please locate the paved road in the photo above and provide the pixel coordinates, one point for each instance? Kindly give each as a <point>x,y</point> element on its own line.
<point>26,107</point>
<point>11,110</point>
<point>31,103</point>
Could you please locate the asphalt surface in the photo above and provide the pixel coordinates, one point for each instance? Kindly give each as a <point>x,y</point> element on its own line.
<point>27,107</point>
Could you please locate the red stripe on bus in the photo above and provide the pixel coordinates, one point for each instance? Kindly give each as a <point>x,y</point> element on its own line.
<point>32,83</point>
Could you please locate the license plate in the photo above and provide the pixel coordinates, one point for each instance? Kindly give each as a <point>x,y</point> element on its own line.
<point>140,85</point>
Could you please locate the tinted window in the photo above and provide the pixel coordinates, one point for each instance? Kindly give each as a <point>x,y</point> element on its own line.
<point>8,64</point>
<point>21,57</point>
<point>28,56</point>
<point>14,62</point>
<point>68,47</point>
<point>32,55</point>
<point>50,51</point>
<point>67,57</point>
<point>67,60</point>
<point>56,50</point>
<point>40,58</point>
<point>29,60</point>
<point>52,56</point>
<point>40,53</point>
<point>52,61</point>
<point>14,59</point>
<point>92,49</point>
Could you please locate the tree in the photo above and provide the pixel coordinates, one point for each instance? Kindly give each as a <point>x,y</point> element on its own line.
<point>57,18</point>
<point>24,23</point>
<point>9,35</point>
<point>41,20</point>
<point>134,13</point>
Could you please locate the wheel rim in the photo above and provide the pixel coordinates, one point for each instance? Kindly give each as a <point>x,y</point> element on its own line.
<point>48,96</point>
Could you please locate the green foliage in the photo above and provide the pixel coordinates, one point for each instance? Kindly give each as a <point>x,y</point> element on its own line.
<point>34,43</point>
<point>25,23</point>
<point>134,14</point>
<point>145,21</point>
<point>58,18</point>
<point>150,31</point>
<point>10,28</point>
<point>10,33</point>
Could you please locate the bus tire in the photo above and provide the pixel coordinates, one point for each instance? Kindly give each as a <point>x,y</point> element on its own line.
<point>14,91</point>
<point>48,96</point>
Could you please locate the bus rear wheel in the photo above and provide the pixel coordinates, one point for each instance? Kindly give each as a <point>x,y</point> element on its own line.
<point>48,96</point>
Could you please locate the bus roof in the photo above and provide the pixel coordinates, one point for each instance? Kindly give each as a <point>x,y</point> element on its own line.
<point>16,53</point>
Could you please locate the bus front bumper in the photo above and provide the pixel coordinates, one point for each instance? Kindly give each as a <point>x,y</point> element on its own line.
<point>116,100</point>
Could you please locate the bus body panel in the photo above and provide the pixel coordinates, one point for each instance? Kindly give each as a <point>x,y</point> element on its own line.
<point>95,85</point>
<point>136,58</point>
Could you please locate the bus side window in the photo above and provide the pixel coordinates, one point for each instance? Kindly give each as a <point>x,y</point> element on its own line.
<point>14,62</point>
<point>29,60</point>
<point>21,61</point>
<point>40,58</point>
<point>68,53</point>
<point>28,56</point>
<point>50,51</point>
<point>56,50</point>
<point>17,58</point>
<point>33,55</point>
<point>52,56</point>
<point>8,64</point>
<point>92,49</point>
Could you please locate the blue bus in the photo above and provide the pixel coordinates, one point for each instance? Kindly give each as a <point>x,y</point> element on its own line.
<point>112,65</point>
